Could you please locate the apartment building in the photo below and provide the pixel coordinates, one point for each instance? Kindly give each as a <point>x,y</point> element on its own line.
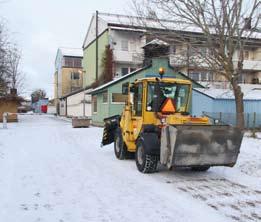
<point>184,60</point>
<point>68,71</point>
<point>68,76</point>
<point>125,42</point>
<point>130,37</point>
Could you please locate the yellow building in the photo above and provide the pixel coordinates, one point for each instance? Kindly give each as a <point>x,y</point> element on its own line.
<point>68,76</point>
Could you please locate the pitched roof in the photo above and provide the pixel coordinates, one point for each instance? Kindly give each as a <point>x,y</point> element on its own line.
<point>104,86</point>
<point>134,21</point>
<point>251,92</point>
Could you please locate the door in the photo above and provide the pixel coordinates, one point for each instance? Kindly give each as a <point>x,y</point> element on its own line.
<point>137,109</point>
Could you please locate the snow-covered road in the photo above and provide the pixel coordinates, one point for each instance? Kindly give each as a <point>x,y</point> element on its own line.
<point>52,172</point>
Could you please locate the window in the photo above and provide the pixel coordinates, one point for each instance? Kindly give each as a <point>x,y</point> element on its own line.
<point>118,98</point>
<point>105,97</point>
<point>194,76</point>
<point>132,69</point>
<point>138,100</point>
<point>246,55</point>
<point>204,76</point>
<point>124,71</point>
<point>75,76</point>
<point>72,62</point>
<point>94,104</point>
<point>77,62</point>
<point>68,62</point>
<point>124,45</point>
<point>157,95</point>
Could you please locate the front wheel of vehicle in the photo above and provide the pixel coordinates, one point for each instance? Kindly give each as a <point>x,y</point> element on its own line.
<point>146,163</point>
<point>120,148</point>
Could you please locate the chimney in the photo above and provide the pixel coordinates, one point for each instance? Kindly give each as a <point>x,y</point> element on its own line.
<point>13,92</point>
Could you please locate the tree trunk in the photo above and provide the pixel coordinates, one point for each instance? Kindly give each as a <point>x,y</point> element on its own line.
<point>239,105</point>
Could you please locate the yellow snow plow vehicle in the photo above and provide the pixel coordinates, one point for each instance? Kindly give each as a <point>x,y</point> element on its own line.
<point>156,125</point>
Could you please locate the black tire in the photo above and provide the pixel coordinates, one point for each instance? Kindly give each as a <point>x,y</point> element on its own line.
<point>120,148</point>
<point>200,168</point>
<point>145,163</point>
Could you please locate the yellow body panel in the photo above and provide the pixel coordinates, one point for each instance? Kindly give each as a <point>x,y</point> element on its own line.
<point>131,125</point>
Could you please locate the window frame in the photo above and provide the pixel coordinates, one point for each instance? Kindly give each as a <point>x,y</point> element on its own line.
<point>117,103</point>
<point>73,75</point>
<point>124,45</point>
<point>141,113</point>
<point>93,104</point>
<point>127,68</point>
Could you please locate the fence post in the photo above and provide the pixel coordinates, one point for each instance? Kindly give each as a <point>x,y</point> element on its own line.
<point>248,121</point>
<point>254,120</point>
<point>5,115</point>
<point>220,117</point>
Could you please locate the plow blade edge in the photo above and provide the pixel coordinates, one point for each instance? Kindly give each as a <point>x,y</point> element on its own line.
<point>200,145</point>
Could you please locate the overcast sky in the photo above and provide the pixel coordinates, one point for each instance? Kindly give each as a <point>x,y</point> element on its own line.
<point>39,27</point>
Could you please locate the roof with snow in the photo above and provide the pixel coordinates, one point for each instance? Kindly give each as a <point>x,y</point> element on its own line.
<point>127,20</point>
<point>134,23</point>
<point>73,52</point>
<point>251,92</point>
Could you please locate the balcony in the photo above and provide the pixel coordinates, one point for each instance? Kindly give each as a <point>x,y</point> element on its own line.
<point>254,65</point>
<point>128,57</point>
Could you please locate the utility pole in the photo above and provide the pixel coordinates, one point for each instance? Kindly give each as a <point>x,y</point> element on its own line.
<point>97,44</point>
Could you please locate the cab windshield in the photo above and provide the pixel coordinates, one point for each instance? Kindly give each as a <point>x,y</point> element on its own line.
<point>159,92</point>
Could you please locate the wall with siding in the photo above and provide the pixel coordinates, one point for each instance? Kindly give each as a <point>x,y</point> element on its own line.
<point>89,59</point>
<point>75,105</point>
<point>201,103</point>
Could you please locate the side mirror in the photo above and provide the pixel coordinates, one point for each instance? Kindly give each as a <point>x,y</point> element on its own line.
<point>125,88</point>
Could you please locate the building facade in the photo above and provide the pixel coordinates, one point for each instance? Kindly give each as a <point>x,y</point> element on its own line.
<point>106,30</point>
<point>68,75</point>
<point>128,35</point>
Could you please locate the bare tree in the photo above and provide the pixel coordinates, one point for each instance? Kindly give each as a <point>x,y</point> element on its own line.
<point>3,60</point>
<point>15,75</point>
<point>11,75</point>
<point>227,26</point>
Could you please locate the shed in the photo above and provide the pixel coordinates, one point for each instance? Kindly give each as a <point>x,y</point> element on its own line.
<point>220,104</point>
<point>107,99</point>
<point>76,104</point>
<point>9,103</point>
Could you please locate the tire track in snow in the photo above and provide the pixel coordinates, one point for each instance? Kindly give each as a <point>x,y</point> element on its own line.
<point>233,200</point>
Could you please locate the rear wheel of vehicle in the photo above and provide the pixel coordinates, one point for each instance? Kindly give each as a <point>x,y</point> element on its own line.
<point>200,168</point>
<point>145,163</point>
<point>120,148</point>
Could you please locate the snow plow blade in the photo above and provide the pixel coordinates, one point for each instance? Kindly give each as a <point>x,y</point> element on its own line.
<point>110,126</point>
<point>200,145</point>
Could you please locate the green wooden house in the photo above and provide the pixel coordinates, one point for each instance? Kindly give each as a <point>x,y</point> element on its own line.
<point>107,99</point>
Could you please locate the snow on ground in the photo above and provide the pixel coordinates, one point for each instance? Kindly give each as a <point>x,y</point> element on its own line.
<point>52,172</point>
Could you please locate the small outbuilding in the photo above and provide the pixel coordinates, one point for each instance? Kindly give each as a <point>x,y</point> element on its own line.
<point>107,99</point>
<point>9,103</point>
<point>220,104</point>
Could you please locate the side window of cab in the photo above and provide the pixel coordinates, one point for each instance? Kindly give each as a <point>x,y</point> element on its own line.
<point>137,97</point>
